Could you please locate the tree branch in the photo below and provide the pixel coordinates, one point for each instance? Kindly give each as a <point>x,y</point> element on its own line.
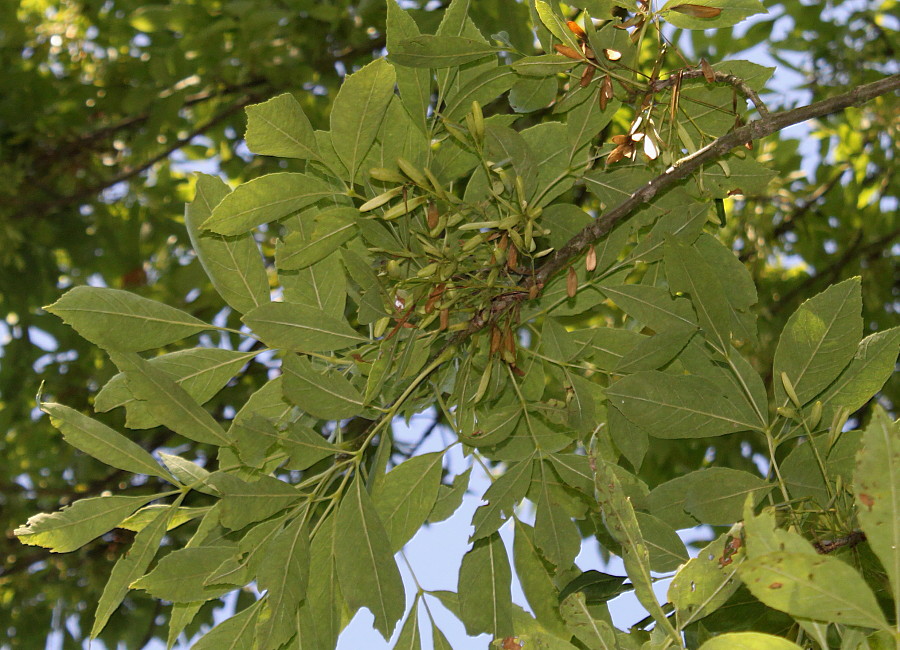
<point>755,130</point>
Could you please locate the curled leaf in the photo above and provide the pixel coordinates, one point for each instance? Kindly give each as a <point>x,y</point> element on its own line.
<point>568,51</point>
<point>708,73</point>
<point>697,11</point>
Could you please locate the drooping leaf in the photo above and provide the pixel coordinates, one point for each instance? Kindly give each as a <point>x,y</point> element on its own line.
<point>233,265</point>
<point>368,574</point>
<point>689,273</point>
<point>818,341</point>
<point>168,402</point>
<point>129,567</point>
<point>866,373</point>
<point>264,199</point>
<point>485,602</point>
<point>180,576</point>
<point>279,127</point>
<point>554,531</point>
<point>822,588</point>
<point>406,496</point>
<point>876,484</point>
<point>100,441</point>
<point>326,395</point>
<point>75,525</point>
<point>324,596</point>
<point>357,111</point>
<point>300,328</point>
<point>409,633</point>
<point>112,318</point>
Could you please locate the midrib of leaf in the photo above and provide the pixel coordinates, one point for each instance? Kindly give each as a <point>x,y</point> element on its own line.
<point>89,518</point>
<point>154,319</point>
<point>545,493</point>
<point>681,407</point>
<point>125,450</point>
<point>375,573</point>
<point>357,157</point>
<point>495,615</point>
<point>234,216</point>
<point>311,328</point>
<point>238,633</point>
<point>228,247</point>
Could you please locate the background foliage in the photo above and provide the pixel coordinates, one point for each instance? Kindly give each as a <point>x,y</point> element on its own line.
<point>108,100</point>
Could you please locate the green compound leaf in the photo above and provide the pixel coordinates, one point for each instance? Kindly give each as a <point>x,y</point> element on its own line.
<point>485,602</point>
<point>131,566</point>
<point>877,488</point>
<point>300,328</point>
<point>101,442</point>
<point>818,342</point>
<point>406,495</point>
<point>233,265</point>
<point>368,574</point>
<point>279,127</point>
<point>749,641</point>
<point>323,394</point>
<point>112,318</point>
<point>264,199</point>
<point>357,112</point>
<point>819,587</point>
<point>427,51</point>
<point>75,525</point>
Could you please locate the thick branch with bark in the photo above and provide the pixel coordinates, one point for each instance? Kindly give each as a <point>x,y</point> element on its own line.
<point>755,130</point>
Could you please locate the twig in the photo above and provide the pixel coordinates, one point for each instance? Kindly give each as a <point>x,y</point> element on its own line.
<point>849,540</point>
<point>683,168</point>
<point>736,82</point>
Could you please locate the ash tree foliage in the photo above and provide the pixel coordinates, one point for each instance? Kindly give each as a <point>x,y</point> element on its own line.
<point>528,247</point>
